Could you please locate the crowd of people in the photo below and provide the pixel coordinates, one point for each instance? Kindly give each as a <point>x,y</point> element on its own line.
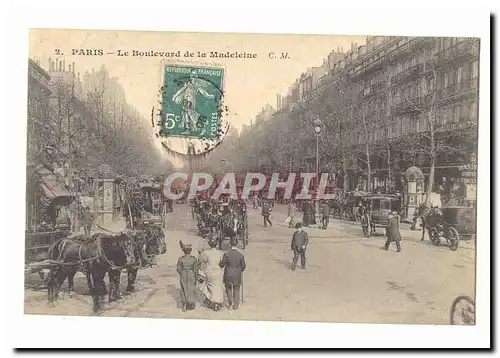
<point>213,272</point>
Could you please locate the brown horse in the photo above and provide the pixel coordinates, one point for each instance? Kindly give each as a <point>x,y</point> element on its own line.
<point>149,243</point>
<point>102,254</point>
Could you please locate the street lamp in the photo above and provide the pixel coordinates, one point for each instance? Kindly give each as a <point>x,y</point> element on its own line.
<point>317,131</point>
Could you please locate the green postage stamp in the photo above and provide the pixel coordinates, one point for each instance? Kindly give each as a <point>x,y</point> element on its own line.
<point>191,101</point>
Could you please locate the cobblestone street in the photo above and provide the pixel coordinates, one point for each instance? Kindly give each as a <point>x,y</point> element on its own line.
<point>348,278</point>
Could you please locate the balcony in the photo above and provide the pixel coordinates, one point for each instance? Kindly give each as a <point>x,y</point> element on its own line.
<point>411,105</point>
<point>456,91</point>
<point>367,67</point>
<point>373,89</point>
<point>459,52</point>
<point>409,47</point>
<point>409,74</point>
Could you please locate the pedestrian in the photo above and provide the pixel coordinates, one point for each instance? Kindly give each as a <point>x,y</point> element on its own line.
<point>213,287</point>
<point>300,240</point>
<point>87,221</point>
<point>187,268</point>
<point>306,212</point>
<point>291,213</point>
<point>392,232</point>
<point>233,263</point>
<point>312,219</point>
<point>325,215</point>
<point>266,212</point>
<point>255,201</point>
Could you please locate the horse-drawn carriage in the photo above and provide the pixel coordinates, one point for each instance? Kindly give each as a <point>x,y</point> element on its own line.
<point>47,215</point>
<point>346,207</point>
<point>455,223</point>
<point>146,204</point>
<point>451,223</point>
<point>377,210</point>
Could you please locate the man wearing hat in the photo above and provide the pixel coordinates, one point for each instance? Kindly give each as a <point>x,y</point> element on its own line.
<point>266,212</point>
<point>233,263</point>
<point>300,240</point>
<point>48,157</point>
<point>393,233</point>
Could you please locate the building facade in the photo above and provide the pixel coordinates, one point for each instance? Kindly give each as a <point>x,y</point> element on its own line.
<point>380,103</point>
<point>38,108</point>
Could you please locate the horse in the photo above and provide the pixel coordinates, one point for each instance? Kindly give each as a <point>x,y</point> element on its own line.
<point>95,257</point>
<point>430,218</point>
<point>338,207</point>
<point>148,244</point>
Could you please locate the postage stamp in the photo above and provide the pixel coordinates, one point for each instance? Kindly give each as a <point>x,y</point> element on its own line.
<point>191,101</point>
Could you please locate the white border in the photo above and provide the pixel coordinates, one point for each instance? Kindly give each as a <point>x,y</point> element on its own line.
<point>422,18</point>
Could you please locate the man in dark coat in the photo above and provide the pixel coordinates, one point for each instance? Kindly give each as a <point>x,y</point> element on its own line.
<point>325,215</point>
<point>393,233</point>
<point>266,212</point>
<point>300,240</point>
<point>233,263</point>
<point>306,212</point>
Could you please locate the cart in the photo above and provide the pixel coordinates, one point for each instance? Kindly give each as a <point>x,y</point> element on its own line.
<point>46,201</point>
<point>154,204</point>
<point>378,208</point>
<point>456,222</point>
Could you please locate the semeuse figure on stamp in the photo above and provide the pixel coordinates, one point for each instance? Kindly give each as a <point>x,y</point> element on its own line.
<point>186,96</point>
<point>233,263</point>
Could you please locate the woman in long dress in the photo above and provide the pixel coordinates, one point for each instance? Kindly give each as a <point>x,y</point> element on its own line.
<point>214,287</point>
<point>187,267</point>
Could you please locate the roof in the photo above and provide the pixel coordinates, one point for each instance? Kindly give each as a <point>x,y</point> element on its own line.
<point>51,188</point>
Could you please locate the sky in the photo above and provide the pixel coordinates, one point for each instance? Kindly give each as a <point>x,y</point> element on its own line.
<point>249,84</point>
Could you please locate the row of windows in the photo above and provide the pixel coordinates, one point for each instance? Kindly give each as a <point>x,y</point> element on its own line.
<point>414,124</point>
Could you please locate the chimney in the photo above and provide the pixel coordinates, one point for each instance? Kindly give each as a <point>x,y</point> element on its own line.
<point>57,64</point>
<point>78,75</point>
<point>64,65</point>
<point>73,66</point>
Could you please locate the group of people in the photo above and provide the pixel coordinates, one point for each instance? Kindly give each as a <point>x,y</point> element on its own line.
<point>213,215</point>
<point>308,213</point>
<point>212,273</point>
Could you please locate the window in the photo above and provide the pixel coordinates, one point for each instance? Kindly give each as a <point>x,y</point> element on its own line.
<point>473,110</point>
<point>459,75</point>
<point>413,61</point>
<point>446,79</point>
<point>456,114</point>
<point>430,85</point>
<point>475,69</point>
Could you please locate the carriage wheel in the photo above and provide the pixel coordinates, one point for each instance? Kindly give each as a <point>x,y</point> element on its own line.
<point>453,239</point>
<point>463,311</point>
<point>434,236</point>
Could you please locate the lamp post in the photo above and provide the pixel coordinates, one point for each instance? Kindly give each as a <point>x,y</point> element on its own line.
<point>317,131</point>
